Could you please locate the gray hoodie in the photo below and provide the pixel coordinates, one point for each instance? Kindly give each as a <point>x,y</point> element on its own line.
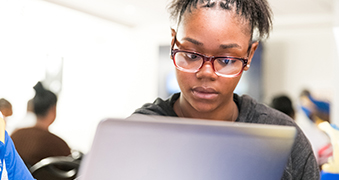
<point>302,163</point>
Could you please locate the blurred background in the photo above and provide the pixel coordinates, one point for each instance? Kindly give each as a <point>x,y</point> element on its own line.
<point>105,58</point>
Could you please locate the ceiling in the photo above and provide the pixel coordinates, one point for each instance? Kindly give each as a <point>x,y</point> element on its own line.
<point>140,12</point>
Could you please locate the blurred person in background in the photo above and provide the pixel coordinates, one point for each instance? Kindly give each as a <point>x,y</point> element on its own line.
<point>317,110</point>
<point>284,104</point>
<point>319,140</point>
<point>36,143</point>
<point>11,165</point>
<point>314,111</point>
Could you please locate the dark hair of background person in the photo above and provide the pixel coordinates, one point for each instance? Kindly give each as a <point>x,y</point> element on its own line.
<point>43,100</point>
<point>4,103</point>
<point>5,107</point>
<point>284,104</point>
<point>257,12</point>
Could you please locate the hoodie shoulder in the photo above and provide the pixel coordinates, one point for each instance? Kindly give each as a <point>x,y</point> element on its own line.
<point>159,107</point>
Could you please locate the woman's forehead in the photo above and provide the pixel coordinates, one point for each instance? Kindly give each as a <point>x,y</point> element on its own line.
<point>219,21</point>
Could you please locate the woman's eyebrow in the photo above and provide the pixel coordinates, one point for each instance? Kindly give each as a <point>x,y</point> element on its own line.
<point>193,41</point>
<point>222,46</point>
<point>227,46</point>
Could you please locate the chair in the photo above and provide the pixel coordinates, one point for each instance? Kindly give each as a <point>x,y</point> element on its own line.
<point>56,168</point>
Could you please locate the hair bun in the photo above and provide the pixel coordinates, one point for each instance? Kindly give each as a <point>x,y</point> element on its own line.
<point>39,88</point>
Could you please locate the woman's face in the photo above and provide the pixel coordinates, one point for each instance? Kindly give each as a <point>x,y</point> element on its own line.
<point>211,32</point>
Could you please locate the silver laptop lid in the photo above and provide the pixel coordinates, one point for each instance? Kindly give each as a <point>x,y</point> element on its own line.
<point>163,148</point>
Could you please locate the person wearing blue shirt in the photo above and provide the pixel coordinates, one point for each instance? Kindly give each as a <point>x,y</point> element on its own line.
<point>11,165</point>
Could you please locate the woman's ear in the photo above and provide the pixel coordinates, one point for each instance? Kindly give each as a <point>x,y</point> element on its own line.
<point>253,47</point>
<point>173,34</point>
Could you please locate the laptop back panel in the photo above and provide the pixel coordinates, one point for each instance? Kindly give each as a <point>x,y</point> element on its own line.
<point>167,149</point>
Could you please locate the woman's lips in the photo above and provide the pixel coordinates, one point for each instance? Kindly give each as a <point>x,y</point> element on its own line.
<point>204,93</point>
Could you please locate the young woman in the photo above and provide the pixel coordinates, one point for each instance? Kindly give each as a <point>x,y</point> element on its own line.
<point>212,44</point>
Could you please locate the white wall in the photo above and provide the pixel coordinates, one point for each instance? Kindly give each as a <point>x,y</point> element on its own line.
<point>110,70</point>
<point>106,73</point>
<point>335,108</point>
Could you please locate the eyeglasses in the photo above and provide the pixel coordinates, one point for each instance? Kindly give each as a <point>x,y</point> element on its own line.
<point>192,62</point>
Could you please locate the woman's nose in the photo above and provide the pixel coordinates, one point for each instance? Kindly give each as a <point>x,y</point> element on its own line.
<point>206,71</point>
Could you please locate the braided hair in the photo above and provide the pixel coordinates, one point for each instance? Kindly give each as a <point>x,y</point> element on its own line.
<point>257,12</point>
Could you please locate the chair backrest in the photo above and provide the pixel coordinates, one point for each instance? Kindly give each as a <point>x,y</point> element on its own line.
<point>56,168</point>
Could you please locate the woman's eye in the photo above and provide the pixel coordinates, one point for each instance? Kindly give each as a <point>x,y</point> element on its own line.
<point>192,56</point>
<point>226,61</point>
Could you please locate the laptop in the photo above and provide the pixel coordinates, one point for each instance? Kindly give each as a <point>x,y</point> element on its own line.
<point>166,148</point>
